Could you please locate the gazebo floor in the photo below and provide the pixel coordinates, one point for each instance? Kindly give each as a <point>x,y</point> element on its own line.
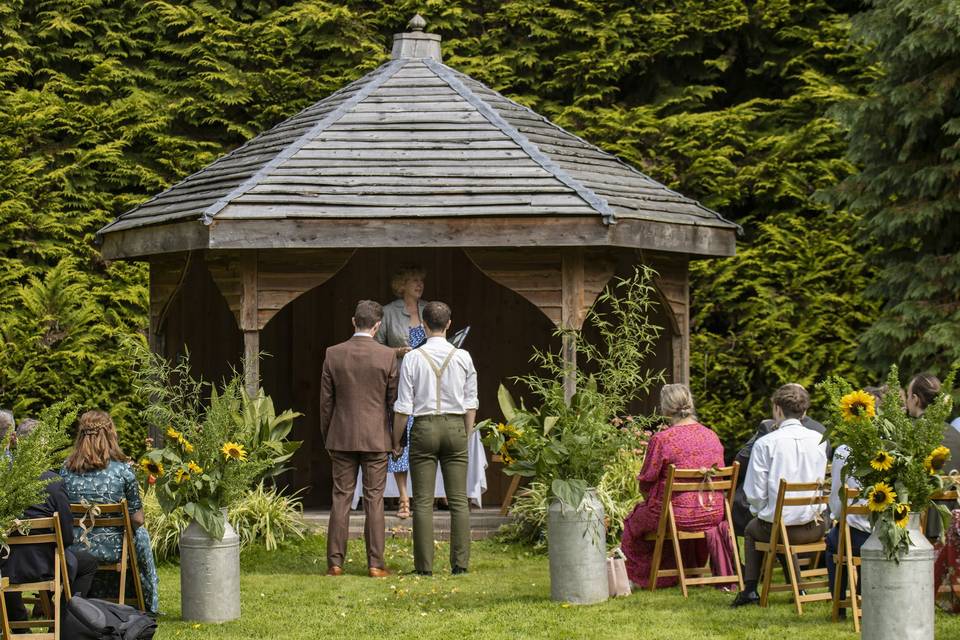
<point>484,523</point>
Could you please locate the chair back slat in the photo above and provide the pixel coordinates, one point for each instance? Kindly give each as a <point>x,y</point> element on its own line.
<point>115,515</point>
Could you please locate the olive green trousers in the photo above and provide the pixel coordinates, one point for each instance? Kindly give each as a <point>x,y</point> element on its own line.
<point>439,439</point>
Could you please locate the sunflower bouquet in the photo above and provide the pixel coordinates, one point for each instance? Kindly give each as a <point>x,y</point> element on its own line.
<point>896,459</point>
<point>213,449</point>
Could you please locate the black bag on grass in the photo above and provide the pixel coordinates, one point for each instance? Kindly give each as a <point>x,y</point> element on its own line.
<point>92,619</point>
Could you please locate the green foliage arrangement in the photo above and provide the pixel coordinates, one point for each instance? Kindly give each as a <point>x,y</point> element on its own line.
<point>264,515</point>
<point>896,458</point>
<point>568,445</point>
<point>904,133</point>
<point>21,468</point>
<point>215,449</point>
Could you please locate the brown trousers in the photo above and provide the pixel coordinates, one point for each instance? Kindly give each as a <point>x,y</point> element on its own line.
<point>759,531</point>
<point>345,466</point>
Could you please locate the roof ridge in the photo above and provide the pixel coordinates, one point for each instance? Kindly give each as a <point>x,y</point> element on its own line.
<point>593,199</point>
<point>385,73</point>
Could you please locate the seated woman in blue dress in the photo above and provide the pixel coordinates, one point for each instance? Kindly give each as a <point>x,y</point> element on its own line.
<point>98,472</point>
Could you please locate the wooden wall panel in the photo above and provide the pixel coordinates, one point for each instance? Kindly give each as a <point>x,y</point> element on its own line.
<point>505,326</point>
<point>536,274</point>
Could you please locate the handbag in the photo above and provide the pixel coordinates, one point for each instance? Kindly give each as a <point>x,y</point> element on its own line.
<point>617,579</point>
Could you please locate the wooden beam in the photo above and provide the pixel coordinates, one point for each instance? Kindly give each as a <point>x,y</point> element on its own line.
<point>249,323</point>
<point>147,241</point>
<point>572,313</point>
<point>461,231</point>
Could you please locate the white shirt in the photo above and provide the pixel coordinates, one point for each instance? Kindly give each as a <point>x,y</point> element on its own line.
<point>839,461</point>
<point>791,452</point>
<point>956,424</point>
<point>417,394</point>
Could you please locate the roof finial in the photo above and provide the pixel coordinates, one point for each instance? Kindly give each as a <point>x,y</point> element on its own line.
<point>417,23</point>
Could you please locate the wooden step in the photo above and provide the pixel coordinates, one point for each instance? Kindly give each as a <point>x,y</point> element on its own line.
<point>484,523</point>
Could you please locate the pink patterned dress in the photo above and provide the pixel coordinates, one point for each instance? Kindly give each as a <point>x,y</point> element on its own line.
<point>688,446</point>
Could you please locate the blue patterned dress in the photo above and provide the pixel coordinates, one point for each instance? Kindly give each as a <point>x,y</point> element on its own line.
<point>417,337</point>
<point>112,484</point>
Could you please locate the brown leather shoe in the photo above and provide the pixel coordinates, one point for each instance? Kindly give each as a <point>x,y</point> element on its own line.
<point>335,571</point>
<point>378,573</point>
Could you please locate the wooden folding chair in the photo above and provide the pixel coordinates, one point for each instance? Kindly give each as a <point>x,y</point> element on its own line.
<point>511,490</point>
<point>114,515</point>
<point>688,481</point>
<point>801,578</point>
<point>843,559</point>
<point>45,531</point>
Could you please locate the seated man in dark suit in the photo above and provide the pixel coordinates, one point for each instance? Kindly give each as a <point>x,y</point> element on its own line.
<point>33,563</point>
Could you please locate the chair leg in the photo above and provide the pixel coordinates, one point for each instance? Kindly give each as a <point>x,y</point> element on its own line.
<point>675,542</point>
<point>839,562</point>
<point>768,559</point>
<point>122,597</point>
<point>4,618</point>
<point>655,561</point>
<point>508,499</point>
<point>852,580</point>
<point>733,545</point>
<point>792,571</point>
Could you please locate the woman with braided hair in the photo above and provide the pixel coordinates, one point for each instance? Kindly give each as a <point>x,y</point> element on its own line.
<point>98,472</point>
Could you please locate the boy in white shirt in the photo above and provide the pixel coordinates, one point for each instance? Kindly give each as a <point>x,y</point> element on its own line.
<point>791,452</point>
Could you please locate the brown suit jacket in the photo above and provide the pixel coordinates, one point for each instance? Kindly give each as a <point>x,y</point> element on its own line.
<point>357,392</point>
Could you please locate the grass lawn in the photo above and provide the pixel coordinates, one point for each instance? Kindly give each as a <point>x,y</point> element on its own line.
<point>285,594</point>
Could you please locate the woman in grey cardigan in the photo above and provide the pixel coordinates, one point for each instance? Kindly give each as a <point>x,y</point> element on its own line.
<point>402,329</point>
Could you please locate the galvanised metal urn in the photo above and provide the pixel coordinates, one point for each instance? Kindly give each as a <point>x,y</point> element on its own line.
<point>898,597</point>
<point>209,574</point>
<point>578,552</point>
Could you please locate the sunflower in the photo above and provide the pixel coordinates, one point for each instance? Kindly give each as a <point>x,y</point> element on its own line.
<point>883,461</point>
<point>880,497</point>
<point>151,467</point>
<point>857,405</point>
<point>186,445</point>
<point>194,468</point>
<point>234,450</point>
<point>173,434</point>
<point>182,476</point>
<point>935,461</point>
<point>901,515</point>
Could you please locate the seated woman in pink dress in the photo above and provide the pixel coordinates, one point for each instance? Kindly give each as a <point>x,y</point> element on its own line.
<point>689,445</point>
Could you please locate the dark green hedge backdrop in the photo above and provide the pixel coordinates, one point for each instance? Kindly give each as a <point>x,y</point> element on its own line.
<point>759,109</point>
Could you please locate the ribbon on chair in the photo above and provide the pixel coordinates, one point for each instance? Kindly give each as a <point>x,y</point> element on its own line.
<point>93,511</point>
<point>706,485</point>
<point>22,528</point>
<point>953,479</point>
<point>813,500</point>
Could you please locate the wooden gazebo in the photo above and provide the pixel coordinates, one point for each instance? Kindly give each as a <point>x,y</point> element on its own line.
<point>519,224</point>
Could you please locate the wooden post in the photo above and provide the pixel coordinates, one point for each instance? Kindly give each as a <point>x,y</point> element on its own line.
<point>249,321</point>
<point>572,287</point>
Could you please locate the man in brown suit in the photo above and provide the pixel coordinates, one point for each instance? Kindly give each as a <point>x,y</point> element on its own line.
<point>359,383</point>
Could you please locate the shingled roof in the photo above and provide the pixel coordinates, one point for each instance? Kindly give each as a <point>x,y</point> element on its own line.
<point>415,139</point>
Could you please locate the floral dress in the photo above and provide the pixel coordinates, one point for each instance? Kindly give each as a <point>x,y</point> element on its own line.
<point>688,446</point>
<point>112,484</point>
<point>946,578</point>
<point>417,337</point>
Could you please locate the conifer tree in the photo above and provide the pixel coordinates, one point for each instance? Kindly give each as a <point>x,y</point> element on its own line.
<point>905,135</point>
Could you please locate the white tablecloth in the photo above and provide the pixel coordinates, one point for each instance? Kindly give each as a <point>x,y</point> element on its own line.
<point>476,476</point>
